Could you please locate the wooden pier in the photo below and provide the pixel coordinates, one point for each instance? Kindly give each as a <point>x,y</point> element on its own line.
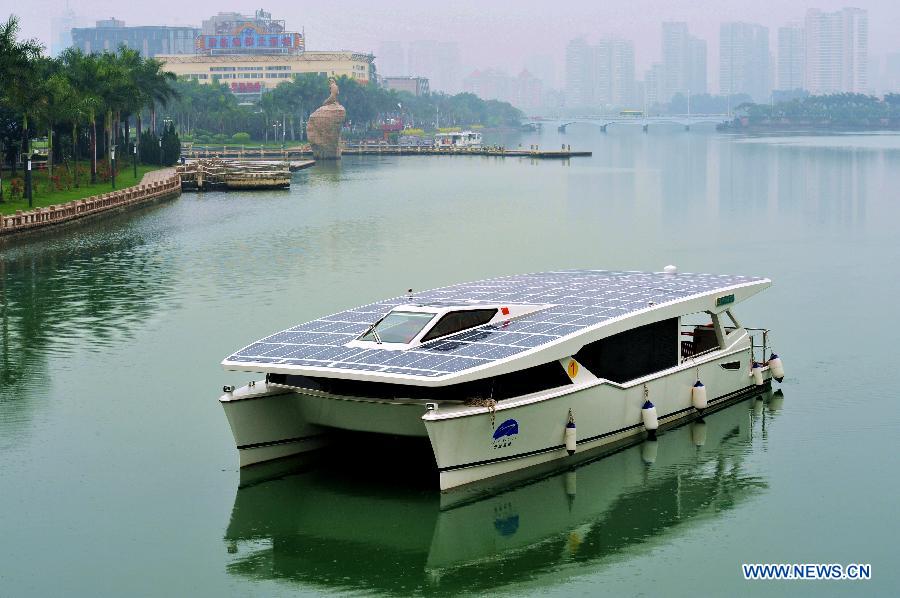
<point>210,174</point>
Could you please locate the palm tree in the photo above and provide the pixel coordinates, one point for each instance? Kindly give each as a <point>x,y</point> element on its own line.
<point>16,61</point>
<point>83,71</point>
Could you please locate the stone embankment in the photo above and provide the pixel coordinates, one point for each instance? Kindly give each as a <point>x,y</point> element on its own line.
<point>156,185</point>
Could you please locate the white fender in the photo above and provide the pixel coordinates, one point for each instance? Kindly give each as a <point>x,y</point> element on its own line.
<point>776,367</point>
<point>570,437</point>
<point>698,396</point>
<point>756,372</point>
<point>648,416</point>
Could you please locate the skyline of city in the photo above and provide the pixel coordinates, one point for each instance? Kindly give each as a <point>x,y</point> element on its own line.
<point>687,61</point>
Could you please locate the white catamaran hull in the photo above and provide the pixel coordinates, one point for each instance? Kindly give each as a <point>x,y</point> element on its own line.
<point>468,448</point>
<point>271,421</point>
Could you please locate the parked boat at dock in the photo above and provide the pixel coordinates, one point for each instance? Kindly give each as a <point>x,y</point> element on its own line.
<point>527,371</point>
<point>216,174</point>
<point>457,139</point>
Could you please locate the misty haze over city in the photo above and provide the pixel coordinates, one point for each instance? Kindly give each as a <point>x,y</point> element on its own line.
<point>484,48</point>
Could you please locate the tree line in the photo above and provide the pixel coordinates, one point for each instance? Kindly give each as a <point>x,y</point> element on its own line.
<point>87,104</point>
<point>82,103</point>
<point>836,110</point>
<point>210,113</point>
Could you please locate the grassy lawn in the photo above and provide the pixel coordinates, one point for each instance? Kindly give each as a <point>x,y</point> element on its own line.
<point>42,197</point>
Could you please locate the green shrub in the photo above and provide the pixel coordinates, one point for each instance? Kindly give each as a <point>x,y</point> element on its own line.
<point>242,138</point>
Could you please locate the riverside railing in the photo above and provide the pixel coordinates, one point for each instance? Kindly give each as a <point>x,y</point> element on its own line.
<point>80,208</point>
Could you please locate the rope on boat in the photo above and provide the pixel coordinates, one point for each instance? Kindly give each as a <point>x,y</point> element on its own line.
<point>491,404</point>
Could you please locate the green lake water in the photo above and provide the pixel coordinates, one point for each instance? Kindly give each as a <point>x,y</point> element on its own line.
<point>118,473</point>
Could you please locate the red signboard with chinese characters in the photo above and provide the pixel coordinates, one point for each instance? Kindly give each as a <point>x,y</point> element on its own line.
<point>249,38</point>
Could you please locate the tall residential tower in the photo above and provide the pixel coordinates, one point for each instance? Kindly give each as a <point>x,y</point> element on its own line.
<point>684,61</point>
<point>837,51</point>
<point>790,57</point>
<point>744,60</point>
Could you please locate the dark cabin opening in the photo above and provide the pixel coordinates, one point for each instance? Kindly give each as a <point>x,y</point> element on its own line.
<point>523,382</point>
<point>633,353</point>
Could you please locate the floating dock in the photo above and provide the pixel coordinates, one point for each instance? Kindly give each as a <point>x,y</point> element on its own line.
<point>211,174</point>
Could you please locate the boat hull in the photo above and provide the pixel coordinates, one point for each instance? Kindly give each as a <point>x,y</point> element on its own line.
<point>473,444</point>
<point>523,435</point>
<point>267,424</point>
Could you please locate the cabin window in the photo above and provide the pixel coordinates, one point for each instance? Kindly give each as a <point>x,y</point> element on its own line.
<point>704,339</point>
<point>634,353</point>
<point>398,327</point>
<point>456,321</point>
<point>698,337</point>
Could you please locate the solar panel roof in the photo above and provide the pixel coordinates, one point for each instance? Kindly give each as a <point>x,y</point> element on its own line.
<point>580,299</point>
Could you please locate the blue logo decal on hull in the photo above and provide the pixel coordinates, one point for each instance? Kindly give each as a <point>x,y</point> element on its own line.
<point>504,433</point>
<point>508,428</point>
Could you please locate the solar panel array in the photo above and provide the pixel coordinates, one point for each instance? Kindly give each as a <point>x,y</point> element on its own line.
<point>581,298</point>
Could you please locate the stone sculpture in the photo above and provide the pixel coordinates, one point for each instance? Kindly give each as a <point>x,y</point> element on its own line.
<point>324,126</point>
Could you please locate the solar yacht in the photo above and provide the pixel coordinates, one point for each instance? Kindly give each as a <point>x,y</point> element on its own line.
<point>507,375</point>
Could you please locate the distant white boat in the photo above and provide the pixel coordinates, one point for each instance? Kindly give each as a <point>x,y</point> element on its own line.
<point>458,139</point>
<point>527,371</point>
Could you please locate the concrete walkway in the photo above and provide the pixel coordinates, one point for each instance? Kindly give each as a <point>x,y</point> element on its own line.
<point>158,176</point>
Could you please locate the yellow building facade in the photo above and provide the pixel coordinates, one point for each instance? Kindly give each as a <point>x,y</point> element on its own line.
<point>249,74</point>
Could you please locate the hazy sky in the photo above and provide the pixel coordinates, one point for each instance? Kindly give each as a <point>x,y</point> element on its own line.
<point>497,34</point>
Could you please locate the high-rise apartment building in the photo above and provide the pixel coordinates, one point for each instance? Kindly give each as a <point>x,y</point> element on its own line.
<point>654,83</point>
<point>579,79</point>
<point>790,57</point>
<point>744,60</point>
<point>697,68</point>
<point>684,61</point>
<point>614,72</point>
<point>836,51</point>
<point>601,74</point>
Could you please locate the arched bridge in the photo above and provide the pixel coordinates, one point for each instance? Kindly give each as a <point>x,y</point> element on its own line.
<point>684,120</point>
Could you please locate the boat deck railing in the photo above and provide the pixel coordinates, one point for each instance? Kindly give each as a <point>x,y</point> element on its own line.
<point>759,339</point>
<point>759,343</point>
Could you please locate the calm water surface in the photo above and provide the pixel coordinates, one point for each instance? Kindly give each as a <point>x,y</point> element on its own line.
<point>118,474</point>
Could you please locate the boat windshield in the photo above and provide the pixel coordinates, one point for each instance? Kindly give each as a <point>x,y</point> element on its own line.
<point>398,327</point>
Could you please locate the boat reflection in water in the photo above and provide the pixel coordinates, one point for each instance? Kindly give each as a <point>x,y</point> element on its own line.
<point>325,531</point>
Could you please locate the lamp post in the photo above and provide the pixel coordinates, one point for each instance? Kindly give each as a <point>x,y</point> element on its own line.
<point>112,165</point>
<point>28,178</point>
<point>134,158</point>
<point>160,151</point>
